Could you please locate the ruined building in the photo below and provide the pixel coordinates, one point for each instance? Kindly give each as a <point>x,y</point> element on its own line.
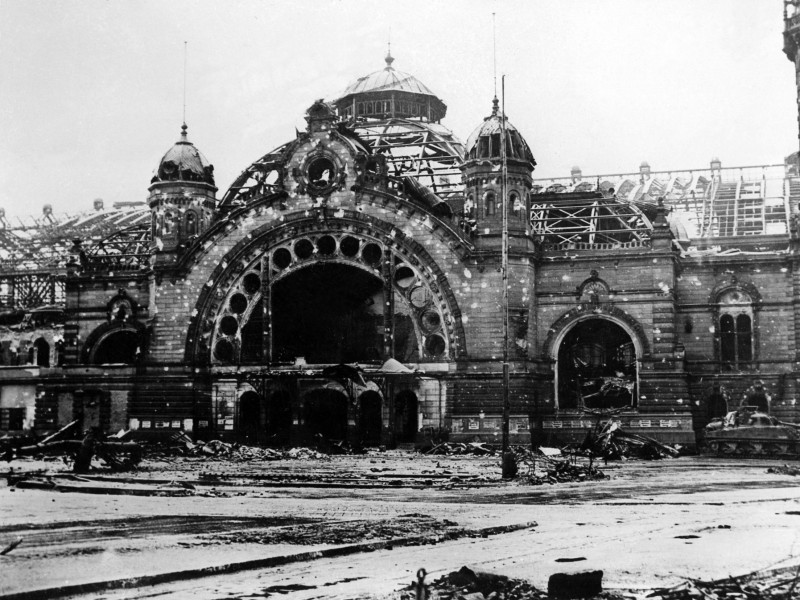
<point>374,238</point>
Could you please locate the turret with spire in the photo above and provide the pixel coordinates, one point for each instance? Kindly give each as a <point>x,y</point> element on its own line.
<point>182,198</point>
<point>482,173</point>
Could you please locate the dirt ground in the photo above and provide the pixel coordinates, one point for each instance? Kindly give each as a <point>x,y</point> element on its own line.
<point>363,525</point>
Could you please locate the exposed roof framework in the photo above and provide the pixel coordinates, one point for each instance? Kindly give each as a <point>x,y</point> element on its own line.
<point>44,243</point>
<point>706,203</point>
<point>587,220</point>
<point>429,152</point>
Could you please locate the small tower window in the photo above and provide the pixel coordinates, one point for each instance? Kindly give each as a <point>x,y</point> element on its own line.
<point>191,224</point>
<point>516,205</point>
<point>490,203</point>
<point>167,223</point>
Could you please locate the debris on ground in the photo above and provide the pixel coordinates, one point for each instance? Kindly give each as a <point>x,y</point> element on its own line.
<point>611,442</point>
<point>181,444</point>
<point>778,584</point>
<point>538,469</point>
<point>428,529</point>
<point>119,455</point>
<point>8,548</point>
<point>473,448</point>
<point>785,470</point>
<point>466,584</point>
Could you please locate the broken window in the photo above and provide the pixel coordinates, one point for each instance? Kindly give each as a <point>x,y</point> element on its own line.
<point>596,367</point>
<point>735,330</point>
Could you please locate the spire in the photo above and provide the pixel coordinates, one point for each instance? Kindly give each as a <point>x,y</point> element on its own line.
<point>184,137</point>
<point>495,106</point>
<point>389,58</point>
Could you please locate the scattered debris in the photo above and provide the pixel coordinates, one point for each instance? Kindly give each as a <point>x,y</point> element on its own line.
<point>182,445</point>
<point>118,455</point>
<point>11,546</point>
<point>609,441</point>
<point>474,448</point>
<point>779,584</point>
<point>785,470</point>
<point>543,469</point>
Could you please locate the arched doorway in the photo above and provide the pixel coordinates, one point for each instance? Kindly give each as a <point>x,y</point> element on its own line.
<point>325,413</point>
<point>370,418</point>
<point>328,313</point>
<point>42,352</point>
<point>251,417</point>
<point>118,347</point>
<point>596,366</point>
<point>406,409</point>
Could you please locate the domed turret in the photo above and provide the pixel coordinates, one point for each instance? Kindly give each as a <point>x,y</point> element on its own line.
<point>390,93</point>
<point>484,143</point>
<point>184,162</point>
<point>484,204</point>
<point>182,198</point>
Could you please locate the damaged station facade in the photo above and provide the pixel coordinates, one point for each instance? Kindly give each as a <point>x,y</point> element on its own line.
<point>348,284</point>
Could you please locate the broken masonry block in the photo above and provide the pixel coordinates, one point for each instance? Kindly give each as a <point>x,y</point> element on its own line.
<point>575,585</point>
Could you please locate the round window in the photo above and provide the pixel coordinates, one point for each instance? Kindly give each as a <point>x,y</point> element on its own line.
<point>321,174</point>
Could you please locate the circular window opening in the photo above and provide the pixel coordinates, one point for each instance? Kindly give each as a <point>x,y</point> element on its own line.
<point>251,283</point>
<point>434,345</point>
<point>419,296</point>
<point>349,246</point>
<point>326,245</point>
<point>321,172</point>
<point>282,258</point>
<point>430,321</point>
<point>228,325</point>
<point>404,276</point>
<point>372,254</point>
<point>238,303</point>
<point>304,249</point>
<point>223,350</point>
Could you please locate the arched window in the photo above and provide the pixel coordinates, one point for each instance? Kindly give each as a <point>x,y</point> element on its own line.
<point>735,329</point>
<point>516,204</point>
<point>42,352</point>
<point>191,224</point>
<point>167,223</point>
<point>489,202</point>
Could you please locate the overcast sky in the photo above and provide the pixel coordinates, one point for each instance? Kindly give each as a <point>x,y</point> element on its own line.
<point>91,91</point>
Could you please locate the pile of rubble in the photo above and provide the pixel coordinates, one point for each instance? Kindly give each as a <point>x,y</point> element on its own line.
<point>610,442</point>
<point>785,470</point>
<point>473,448</point>
<point>547,465</point>
<point>181,444</point>
<point>466,584</point>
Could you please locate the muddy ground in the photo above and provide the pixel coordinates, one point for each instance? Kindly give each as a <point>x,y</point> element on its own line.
<point>363,525</point>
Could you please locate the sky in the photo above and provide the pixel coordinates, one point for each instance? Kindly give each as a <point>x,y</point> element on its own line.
<point>91,91</point>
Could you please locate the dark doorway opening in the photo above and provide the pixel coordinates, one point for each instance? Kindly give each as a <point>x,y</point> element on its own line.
<point>406,408</point>
<point>328,313</point>
<point>265,422</point>
<point>370,418</point>
<point>326,414</point>
<point>717,405</point>
<point>119,347</point>
<point>251,418</point>
<point>596,367</point>
<point>279,418</point>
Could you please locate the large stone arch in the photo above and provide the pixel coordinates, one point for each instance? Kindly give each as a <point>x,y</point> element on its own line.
<point>568,320</point>
<point>255,254</point>
<point>605,373</point>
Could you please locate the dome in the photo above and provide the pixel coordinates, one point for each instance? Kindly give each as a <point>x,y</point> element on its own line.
<point>184,162</point>
<point>390,93</point>
<point>485,140</point>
